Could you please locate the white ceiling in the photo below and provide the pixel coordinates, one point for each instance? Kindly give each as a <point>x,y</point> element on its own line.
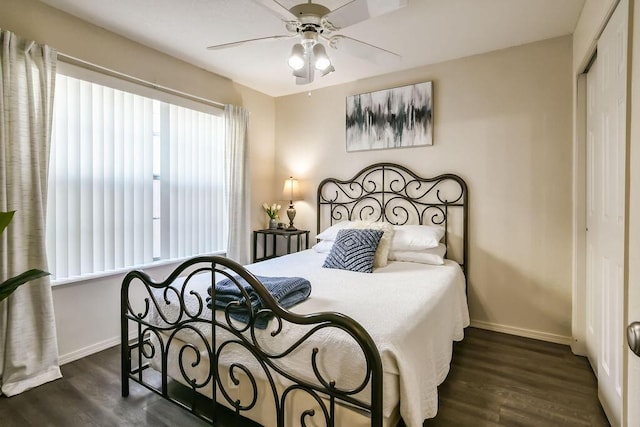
<point>424,32</point>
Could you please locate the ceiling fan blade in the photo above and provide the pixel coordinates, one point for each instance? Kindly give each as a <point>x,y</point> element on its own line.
<point>361,10</point>
<point>362,50</point>
<point>277,9</point>
<point>232,44</point>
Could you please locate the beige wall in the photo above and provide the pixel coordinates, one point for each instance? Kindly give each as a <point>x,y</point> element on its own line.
<point>503,121</point>
<point>87,312</point>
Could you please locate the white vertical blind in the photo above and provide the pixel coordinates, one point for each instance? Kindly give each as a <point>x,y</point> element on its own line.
<point>192,220</point>
<point>104,214</point>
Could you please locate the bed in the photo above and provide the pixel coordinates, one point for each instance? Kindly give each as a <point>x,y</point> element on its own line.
<point>363,349</point>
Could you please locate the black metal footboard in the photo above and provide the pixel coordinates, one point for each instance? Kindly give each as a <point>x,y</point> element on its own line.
<point>191,341</point>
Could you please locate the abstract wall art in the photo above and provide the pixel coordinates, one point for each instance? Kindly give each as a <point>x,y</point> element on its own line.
<point>391,118</point>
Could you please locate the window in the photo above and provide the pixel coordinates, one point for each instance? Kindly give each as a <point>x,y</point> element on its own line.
<point>132,180</point>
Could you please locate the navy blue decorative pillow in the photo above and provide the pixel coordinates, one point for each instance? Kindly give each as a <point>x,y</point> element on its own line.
<point>354,250</point>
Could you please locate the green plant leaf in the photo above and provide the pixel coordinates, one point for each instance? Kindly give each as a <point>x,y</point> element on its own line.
<point>12,284</point>
<point>5,219</point>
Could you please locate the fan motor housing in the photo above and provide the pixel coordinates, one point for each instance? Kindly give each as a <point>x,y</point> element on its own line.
<point>309,13</point>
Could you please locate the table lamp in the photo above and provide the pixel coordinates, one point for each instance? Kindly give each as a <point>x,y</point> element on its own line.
<point>290,192</point>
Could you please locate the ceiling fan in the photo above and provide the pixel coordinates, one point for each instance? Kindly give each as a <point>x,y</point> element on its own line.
<point>314,23</point>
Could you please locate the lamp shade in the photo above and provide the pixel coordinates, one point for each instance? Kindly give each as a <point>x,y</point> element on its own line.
<point>291,190</point>
<point>322,61</point>
<point>296,59</point>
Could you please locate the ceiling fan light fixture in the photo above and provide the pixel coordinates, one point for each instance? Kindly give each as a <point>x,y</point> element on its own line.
<point>308,38</point>
<point>321,60</point>
<point>296,59</point>
<point>327,70</point>
<point>305,74</point>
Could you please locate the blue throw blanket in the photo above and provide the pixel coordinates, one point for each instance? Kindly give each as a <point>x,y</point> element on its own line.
<point>287,291</point>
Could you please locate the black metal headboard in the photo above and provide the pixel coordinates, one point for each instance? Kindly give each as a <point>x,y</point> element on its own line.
<point>392,193</point>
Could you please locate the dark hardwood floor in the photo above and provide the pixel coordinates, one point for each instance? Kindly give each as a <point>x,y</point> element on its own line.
<point>502,380</point>
<point>495,380</point>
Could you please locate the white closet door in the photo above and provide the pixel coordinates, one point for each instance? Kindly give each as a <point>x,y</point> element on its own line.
<point>594,189</point>
<point>633,296</point>
<point>606,157</point>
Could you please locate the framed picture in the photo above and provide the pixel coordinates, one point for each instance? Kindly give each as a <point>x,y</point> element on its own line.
<point>390,118</point>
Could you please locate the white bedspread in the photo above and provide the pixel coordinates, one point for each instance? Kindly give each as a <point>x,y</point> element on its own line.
<point>412,311</point>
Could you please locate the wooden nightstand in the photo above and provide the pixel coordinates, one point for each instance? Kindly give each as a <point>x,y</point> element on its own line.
<point>274,233</point>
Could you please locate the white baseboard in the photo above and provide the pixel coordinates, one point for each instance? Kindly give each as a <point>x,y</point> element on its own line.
<point>521,332</point>
<point>89,350</point>
<point>579,348</point>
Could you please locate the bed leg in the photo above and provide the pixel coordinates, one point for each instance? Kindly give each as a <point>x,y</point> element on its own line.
<point>125,367</point>
<point>125,388</point>
<point>125,370</point>
<point>125,352</point>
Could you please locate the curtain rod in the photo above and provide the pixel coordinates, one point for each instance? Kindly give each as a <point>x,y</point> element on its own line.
<point>93,67</point>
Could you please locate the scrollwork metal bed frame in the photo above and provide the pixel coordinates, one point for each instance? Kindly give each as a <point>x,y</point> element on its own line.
<point>393,193</point>
<point>383,191</point>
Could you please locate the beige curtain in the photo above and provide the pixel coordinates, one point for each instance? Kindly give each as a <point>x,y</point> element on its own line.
<point>238,178</point>
<point>28,346</point>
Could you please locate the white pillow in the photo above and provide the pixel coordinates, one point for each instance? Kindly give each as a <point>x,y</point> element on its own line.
<point>427,256</point>
<point>416,237</point>
<point>331,232</point>
<point>382,253</point>
<point>323,246</point>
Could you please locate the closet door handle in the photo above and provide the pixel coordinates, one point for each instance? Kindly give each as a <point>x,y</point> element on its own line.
<point>633,337</point>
